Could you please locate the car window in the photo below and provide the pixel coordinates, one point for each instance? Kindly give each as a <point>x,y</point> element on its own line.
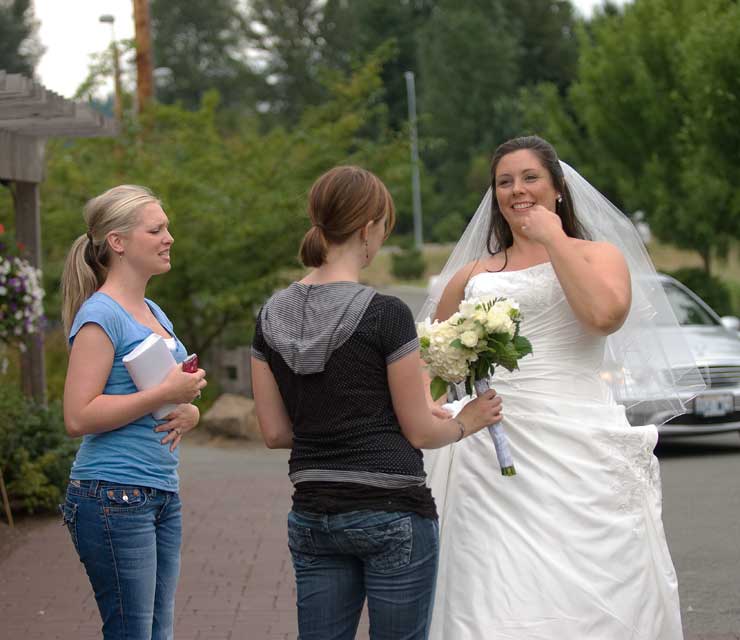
<point>687,310</point>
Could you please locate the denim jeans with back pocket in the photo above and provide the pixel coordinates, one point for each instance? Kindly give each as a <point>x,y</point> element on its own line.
<point>339,559</point>
<point>128,538</point>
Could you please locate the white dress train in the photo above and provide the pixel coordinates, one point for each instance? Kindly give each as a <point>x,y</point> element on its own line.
<point>573,546</point>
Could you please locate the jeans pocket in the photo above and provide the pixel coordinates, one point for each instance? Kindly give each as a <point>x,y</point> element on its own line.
<point>300,542</point>
<point>384,547</point>
<point>69,520</point>
<point>123,499</point>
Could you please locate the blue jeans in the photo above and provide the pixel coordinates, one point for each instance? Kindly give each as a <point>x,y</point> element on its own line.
<point>128,538</point>
<point>339,559</point>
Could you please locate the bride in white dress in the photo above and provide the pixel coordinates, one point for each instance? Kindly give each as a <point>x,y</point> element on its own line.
<point>573,546</point>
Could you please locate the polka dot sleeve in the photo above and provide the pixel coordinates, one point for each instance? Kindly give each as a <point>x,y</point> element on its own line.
<point>397,330</point>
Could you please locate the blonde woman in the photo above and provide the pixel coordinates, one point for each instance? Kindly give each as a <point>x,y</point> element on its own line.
<point>122,507</point>
<point>337,378</point>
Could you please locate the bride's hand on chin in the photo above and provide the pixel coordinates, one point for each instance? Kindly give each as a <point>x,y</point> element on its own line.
<point>540,225</point>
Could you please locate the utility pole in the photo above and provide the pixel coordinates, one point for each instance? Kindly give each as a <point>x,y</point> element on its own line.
<point>415,182</point>
<point>117,105</point>
<point>144,67</point>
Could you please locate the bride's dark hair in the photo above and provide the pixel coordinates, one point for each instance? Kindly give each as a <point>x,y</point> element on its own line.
<point>499,231</point>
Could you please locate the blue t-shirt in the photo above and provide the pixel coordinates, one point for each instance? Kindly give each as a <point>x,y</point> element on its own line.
<point>131,454</point>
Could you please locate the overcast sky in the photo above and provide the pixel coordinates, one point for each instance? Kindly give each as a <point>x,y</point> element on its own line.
<point>70,30</point>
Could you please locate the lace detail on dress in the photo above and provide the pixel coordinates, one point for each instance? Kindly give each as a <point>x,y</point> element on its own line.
<point>636,470</point>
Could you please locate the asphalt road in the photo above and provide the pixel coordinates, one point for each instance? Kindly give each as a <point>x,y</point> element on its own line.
<point>701,515</point>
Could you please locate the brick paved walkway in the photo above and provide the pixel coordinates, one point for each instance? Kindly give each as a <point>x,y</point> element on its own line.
<point>237,581</point>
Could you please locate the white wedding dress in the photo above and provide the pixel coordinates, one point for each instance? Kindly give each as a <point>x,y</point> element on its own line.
<point>572,547</point>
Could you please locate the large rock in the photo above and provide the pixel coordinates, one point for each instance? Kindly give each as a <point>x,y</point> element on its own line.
<point>232,415</point>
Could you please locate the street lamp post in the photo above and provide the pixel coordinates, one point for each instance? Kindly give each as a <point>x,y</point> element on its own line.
<point>415,182</point>
<point>117,106</point>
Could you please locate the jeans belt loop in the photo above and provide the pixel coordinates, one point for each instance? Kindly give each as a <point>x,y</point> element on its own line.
<point>93,489</point>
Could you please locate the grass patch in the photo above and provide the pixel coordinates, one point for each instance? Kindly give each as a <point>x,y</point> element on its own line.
<point>379,274</point>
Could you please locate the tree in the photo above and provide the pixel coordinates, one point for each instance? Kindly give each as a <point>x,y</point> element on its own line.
<point>351,29</point>
<point>20,48</point>
<point>547,42</point>
<point>236,199</point>
<point>469,81</point>
<point>653,107</point>
<point>475,59</point>
<point>202,43</point>
<point>284,36</point>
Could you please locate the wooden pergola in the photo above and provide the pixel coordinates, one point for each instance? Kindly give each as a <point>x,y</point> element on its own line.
<point>29,114</point>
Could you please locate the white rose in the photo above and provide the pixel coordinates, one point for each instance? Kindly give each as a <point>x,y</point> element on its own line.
<point>469,338</point>
<point>502,305</point>
<point>479,315</point>
<point>467,307</point>
<point>509,307</point>
<point>424,329</point>
<point>497,321</point>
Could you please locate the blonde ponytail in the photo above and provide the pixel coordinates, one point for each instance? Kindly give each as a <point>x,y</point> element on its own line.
<point>79,281</point>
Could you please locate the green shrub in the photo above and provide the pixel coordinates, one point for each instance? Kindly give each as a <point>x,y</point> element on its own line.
<point>734,288</point>
<point>408,264</point>
<point>709,288</point>
<point>449,228</point>
<point>35,451</point>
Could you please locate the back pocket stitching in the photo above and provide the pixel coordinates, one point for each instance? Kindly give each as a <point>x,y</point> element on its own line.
<point>367,541</point>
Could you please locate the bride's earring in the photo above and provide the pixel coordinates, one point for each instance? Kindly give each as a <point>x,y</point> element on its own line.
<point>367,253</point>
<point>559,198</point>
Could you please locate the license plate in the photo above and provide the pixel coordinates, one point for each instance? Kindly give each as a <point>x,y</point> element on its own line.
<point>714,406</point>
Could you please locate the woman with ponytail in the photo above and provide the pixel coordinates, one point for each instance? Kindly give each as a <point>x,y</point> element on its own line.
<point>337,378</point>
<point>122,507</point>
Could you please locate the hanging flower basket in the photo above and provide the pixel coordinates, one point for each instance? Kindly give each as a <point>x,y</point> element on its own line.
<point>21,295</point>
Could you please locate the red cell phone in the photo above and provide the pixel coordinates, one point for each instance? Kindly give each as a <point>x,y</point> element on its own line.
<point>190,364</point>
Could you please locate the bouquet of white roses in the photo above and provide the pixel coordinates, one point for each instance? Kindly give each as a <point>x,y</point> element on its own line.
<point>21,296</point>
<point>482,334</point>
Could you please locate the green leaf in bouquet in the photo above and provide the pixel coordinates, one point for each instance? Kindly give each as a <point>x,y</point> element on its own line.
<point>498,339</point>
<point>438,387</point>
<point>457,344</point>
<point>482,367</point>
<point>522,346</point>
<point>508,357</point>
<point>424,342</point>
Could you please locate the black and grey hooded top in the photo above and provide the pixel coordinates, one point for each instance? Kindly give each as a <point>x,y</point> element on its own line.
<point>328,347</point>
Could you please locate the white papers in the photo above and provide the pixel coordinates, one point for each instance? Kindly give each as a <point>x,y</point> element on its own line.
<point>148,364</point>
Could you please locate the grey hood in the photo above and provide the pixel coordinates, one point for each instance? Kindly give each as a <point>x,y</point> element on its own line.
<point>306,323</point>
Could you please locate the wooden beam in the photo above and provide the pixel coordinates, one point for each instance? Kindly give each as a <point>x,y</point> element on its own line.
<point>28,232</point>
<point>21,157</point>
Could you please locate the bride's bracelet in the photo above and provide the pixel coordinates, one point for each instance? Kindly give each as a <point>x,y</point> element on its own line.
<point>462,429</point>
